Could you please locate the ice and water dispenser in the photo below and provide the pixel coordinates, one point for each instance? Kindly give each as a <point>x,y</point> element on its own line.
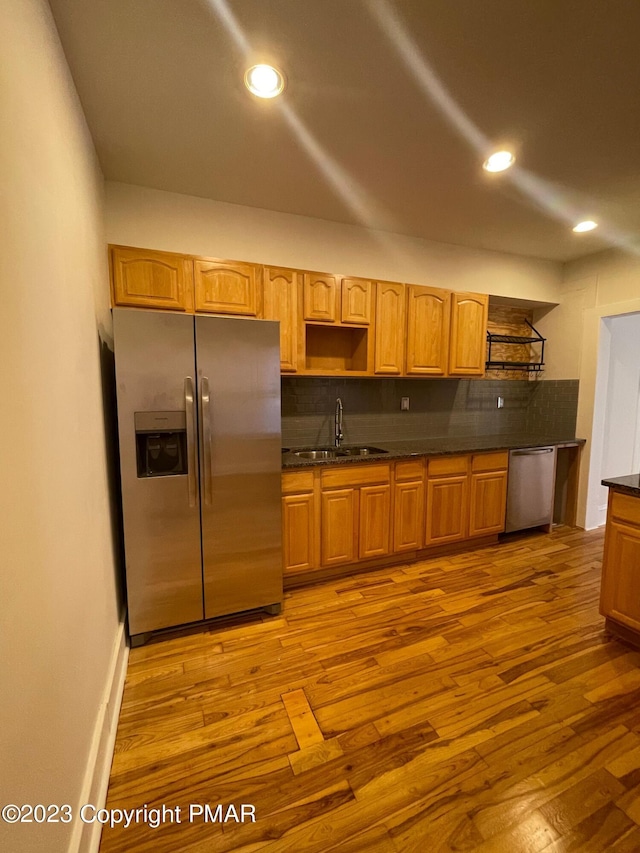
<point>161,443</point>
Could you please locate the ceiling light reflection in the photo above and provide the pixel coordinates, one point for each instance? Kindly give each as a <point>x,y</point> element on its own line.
<point>499,161</point>
<point>587,225</point>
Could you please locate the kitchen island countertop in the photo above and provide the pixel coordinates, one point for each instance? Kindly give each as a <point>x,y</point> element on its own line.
<point>629,485</point>
<point>446,445</point>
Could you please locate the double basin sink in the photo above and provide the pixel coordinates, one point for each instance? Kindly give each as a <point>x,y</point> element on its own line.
<point>337,452</point>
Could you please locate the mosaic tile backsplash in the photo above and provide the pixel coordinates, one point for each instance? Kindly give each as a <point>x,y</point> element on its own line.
<point>438,408</point>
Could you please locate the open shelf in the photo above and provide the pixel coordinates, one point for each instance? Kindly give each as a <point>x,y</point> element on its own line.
<point>338,349</point>
<point>518,340</point>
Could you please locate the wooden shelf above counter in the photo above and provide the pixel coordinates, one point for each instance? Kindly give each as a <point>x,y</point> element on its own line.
<point>330,325</point>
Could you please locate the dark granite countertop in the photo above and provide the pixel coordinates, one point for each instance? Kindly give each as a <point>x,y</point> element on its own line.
<point>630,484</point>
<point>447,445</point>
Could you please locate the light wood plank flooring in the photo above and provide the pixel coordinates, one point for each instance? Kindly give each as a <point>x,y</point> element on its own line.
<point>472,702</point>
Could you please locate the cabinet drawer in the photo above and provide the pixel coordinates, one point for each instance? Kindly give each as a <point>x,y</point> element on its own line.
<point>354,475</point>
<point>490,461</point>
<point>411,469</point>
<point>625,507</point>
<point>442,465</point>
<point>295,482</point>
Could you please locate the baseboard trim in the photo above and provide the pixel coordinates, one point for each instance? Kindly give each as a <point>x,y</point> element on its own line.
<point>86,837</point>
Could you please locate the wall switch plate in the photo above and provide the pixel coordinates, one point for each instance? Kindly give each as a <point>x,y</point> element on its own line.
<point>404,404</point>
<point>501,402</point>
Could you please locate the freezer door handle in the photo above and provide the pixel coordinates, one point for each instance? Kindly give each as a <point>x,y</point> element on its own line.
<point>205,431</point>
<point>191,441</point>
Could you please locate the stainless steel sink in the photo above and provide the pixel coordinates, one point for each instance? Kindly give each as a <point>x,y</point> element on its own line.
<point>315,454</point>
<point>337,451</point>
<point>360,451</point>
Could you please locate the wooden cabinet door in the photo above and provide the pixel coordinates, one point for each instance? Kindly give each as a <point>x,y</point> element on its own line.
<point>281,303</point>
<point>146,279</point>
<point>408,516</point>
<point>320,297</point>
<point>356,301</point>
<point>487,504</point>
<point>298,533</point>
<point>447,509</point>
<point>620,590</point>
<point>375,518</point>
<point>467,353</point>
<point>428,320</point>
<point>390,328</point>
<point>338,525</point>
<point>226,287</point>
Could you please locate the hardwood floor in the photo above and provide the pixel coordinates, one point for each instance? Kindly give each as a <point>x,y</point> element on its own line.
<point>472,702</point>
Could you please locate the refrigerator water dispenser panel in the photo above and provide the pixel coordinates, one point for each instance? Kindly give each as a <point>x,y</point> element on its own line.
<point>161,443</point>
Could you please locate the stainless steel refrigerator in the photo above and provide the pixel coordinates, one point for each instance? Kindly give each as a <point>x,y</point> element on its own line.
<point>200,460</point>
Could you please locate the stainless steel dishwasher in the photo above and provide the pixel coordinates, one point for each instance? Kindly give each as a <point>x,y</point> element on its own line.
<point>530,487</point>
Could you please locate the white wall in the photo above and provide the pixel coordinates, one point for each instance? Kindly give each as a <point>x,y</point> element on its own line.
<point>60,621</point>
<point>623,390</point>
<point>603,285</point>
<point>616,402</point>
<point>153,219</point>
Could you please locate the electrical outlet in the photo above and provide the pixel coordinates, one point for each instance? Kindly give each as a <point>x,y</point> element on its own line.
<point>404,404</point>
<point>501,402</point>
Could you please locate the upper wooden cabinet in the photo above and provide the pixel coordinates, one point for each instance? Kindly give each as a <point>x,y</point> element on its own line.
<point>329,325</point>
<point>320,297</point>
<point>428,311</point>
<point>327,299</point>
<point>227,287</point>
<point>389,328</point>
<point>281,303</point>
<point>145,279</point>
<point>467,354</point>
<point>356,301</point>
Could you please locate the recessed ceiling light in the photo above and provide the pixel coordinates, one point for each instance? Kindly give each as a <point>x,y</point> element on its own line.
<point>587,225</point>
<point>265,81</point>
<point>499,161</point>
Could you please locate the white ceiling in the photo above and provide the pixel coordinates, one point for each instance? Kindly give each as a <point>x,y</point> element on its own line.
<point>388,109</point>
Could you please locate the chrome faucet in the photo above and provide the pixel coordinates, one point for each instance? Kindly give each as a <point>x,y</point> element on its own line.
<point>338,423</point>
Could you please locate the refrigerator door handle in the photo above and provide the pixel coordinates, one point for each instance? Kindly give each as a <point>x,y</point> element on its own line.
<point>205,431</point>
<point>191,441</point>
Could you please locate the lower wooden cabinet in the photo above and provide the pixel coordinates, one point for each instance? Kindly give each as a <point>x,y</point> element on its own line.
<point>447,509</point>
<point>338,527</point>
<point>620,589</point>
<point>375,513</point>
<point>298,533</point>
<point>408,505</point>
<point>342,514</point>
<point>488,493</point>
<point>355,513</point>
<point>300,522</point>
<point>408,514</point>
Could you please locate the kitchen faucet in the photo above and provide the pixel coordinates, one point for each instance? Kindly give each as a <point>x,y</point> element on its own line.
<point>338,423</point>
